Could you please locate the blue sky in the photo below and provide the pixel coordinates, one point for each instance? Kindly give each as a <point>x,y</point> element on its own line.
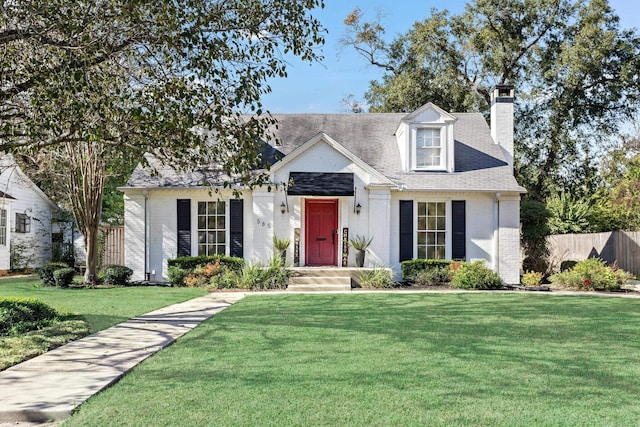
<point>318,88</point>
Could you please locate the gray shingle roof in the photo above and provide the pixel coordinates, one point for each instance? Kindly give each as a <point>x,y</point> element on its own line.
<point>479,163</point>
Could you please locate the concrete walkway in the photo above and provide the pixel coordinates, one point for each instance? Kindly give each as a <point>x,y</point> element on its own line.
<point>49,387</point>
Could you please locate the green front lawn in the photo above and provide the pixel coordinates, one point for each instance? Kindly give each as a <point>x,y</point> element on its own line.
<point>391,359</point>
<point>85,311</point>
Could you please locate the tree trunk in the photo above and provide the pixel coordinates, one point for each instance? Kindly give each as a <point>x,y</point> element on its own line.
<point>91,237</point>
<point>86,186</point>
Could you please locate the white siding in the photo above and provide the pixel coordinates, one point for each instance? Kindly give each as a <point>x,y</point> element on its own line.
<point>263,223</point>
<point>5,261</point>
<point>34,247</point>
<point>510,239</point>
<point>134,234</point>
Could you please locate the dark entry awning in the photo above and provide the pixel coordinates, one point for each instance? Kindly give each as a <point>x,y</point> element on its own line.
<point>320,184</point>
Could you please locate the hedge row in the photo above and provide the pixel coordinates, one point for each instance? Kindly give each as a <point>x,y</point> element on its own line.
<point>192,262</point>
<point>20,315</point>
<point>411,268</point>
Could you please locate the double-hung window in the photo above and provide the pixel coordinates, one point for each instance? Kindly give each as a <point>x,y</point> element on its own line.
<point>429,153</point>
<point>432,230</point>
<point>211,228</point>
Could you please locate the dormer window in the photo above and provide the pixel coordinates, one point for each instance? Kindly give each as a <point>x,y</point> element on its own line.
<point>425,140</point>
<point>429,149</point>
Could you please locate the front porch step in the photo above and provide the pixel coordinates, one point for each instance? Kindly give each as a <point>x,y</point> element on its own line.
<point>318,287</point>
<point>318,280</point>
<point>315,279</point>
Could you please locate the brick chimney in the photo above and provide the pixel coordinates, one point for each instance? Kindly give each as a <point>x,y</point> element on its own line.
<point>502,119</point>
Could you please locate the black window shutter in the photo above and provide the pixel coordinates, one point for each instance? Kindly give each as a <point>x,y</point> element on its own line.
<point>458,230</point>
<point>406,230</point>
<point>236,227</point>
<point>184,227</point>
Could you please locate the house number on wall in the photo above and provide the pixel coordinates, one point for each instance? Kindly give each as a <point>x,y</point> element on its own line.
<point>263,223</point>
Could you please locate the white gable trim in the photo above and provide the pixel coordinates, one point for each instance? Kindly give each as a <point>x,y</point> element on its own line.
<point>321,136</point>
<point>430,106</point>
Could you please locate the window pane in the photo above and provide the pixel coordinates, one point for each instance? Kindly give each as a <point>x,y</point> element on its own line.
<point>202,237</point>
<point>439,252</point>
<point>211,237</point>
<point>202,222</point>
<point>422,208</point>
<point>431,252</point>
<point>211,223</point>
<point>422,223</point>
<point>422,238</point>
<point>202,249</point>
<point>202,208</point>
<point>431,223</point>
<point>211,208</point>
<point>441,209</point>
<point>431,209</point>
<point>431,238</point>
<point>220,249</point>
<point>220,209</point>
<point>220,223</point>
<point>221,236</point>
<point>422,252</point>
<point>441,223</point>
<point>440,239</point>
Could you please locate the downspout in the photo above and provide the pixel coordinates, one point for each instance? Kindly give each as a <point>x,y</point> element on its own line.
<point>497,249</point>
<point>146,237</point>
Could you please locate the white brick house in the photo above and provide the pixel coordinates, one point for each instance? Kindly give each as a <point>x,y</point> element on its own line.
<point>430,184</point>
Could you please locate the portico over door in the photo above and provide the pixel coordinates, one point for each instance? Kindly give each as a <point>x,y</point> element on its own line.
<point>321,232</point>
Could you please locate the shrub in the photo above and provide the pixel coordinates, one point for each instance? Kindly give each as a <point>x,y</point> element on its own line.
<point>531,278</point>
<point>117,275</point>
<point>46,272</point>
<point>474,275</point>
<point>567,265</point>
<point>176,275</point>
<point>190,263</point>
<point>64,277</point>
<point>20,315</point>
<point>592,274</point>
<point>225,279</point>
<point>411,268</point>
<point>433,276</point>
<point>378,277</point>
<point>276,274</point>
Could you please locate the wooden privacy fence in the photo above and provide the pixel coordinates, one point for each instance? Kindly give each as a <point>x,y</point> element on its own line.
<point>113,252</point>
<point>620,246</point>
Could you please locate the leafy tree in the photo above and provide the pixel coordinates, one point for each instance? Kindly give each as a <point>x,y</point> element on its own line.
<point>568,215</point>
<point>100,83</point>
<point>575,70</point>
<point>534,217</point>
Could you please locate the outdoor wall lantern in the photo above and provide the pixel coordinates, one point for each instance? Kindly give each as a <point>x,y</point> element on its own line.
<point>283,208</point>
<point>358,209</point>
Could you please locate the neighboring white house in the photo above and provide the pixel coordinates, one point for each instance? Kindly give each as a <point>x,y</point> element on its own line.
<point>429,184</point>
<point>26,219</point>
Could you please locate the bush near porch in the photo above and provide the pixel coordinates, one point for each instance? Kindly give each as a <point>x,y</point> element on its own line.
<point>458,274</point>
<point>223,272</point>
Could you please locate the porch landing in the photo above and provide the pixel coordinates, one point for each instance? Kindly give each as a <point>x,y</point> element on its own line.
<point>316,279</point>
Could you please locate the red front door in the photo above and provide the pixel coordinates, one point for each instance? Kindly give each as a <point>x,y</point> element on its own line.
<point>321,225</point>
